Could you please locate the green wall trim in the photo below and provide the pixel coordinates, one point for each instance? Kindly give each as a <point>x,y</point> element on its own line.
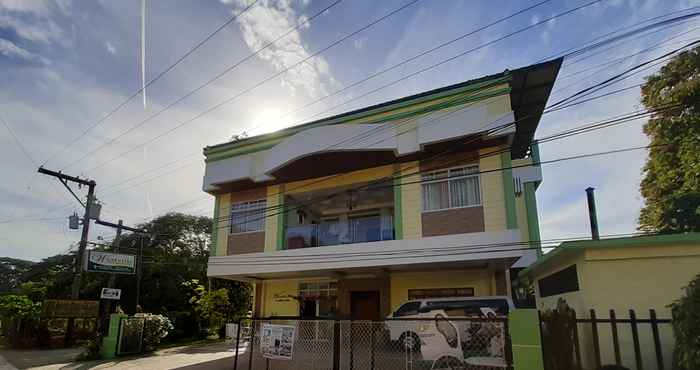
<point>631,241</point>
<point>267,141</point>
<point>509,192</point>
<point>533,223</point>
<point>215,229</point>
<point>281,220</point>
<point>398,209</point>
<point>524,330</point>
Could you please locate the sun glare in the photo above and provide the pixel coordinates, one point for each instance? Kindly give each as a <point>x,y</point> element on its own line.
<point>269,120</point>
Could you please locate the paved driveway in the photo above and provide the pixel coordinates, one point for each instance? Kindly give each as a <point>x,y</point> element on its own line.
<point>214,356</point>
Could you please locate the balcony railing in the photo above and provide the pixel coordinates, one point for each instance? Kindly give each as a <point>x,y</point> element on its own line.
<point>354,230</point>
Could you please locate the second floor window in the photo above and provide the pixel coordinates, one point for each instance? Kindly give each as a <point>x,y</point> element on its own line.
<point>248,216</point>
<point>451,188</point>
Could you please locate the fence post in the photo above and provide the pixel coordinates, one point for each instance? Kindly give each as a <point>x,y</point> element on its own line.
<point>251,346</point>
<point>351,331</point>
<point>238,338</point>
<point>336,345</point>
<point>372,344</point>
<point>635,340</point>
<point>657,342</point>
<point>596,344</point>
<point>616,342</point>
<point>577,344</point>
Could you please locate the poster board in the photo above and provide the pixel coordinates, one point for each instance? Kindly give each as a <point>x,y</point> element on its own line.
<point>110,262</point>
<point>277,341</point>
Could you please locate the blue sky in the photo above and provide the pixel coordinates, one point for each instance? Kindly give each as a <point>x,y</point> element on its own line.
<point>64,64</point>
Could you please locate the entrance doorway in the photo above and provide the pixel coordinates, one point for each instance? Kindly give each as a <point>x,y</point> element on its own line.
<point>364,305</point>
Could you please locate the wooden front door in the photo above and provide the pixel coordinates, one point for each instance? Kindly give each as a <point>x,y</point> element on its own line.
<point>364,305</point>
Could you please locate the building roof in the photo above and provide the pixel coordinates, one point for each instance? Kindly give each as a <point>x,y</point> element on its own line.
<point>571,247</point>
<point>530,88</point>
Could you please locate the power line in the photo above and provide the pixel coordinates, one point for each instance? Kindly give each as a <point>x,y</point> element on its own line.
<point>577,51</point>
<point>228,100</point>
<point>430,67</point>
<point>161,74</point>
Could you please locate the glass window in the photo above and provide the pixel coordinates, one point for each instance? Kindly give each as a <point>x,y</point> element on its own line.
<point>410,308</point>
<point>457,187</point>
<point>248,216</point>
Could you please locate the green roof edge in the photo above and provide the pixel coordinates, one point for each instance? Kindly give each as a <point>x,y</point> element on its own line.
<point>633,241</point>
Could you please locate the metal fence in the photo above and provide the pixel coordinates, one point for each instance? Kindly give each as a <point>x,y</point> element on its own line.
<point>631,341</point>
<point>420,344</point>
<point>130,335</point>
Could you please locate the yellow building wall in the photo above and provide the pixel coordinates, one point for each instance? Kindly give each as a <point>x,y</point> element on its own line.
<point>638,278</point>
<point>411,201</point>
<point>492,191</point>
<point>333,181</point>
<point>520,210</point>
<point>277,298</point>
<point>222,224</point>
<point>271,223</point>
<point>482,280</point>
<point>654,277</point>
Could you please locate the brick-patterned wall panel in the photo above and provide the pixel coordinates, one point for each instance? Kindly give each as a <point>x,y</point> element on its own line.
<point>246,243</point>
<point>453,221</point>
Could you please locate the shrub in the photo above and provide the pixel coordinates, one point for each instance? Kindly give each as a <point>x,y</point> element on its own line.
<point>558,337</point>
<point>156,327</point>
<point>686,327</point>
<point>20,319</point>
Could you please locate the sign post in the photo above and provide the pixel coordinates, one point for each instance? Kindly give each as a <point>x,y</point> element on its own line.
<point>111,293</point>
<point>110,262</point>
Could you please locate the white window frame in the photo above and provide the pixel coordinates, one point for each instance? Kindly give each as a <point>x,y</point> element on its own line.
<point>251,205</point>
<point>449,191</point>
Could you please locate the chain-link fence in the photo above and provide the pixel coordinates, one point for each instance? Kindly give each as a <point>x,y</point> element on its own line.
<point>420,344</point>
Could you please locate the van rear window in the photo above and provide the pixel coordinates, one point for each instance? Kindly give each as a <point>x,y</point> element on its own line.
<point>470,307</point>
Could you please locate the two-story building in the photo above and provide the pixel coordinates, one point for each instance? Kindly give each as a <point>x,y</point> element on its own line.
<point>353,215</point>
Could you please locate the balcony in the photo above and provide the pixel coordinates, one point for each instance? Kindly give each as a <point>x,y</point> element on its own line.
<point>336,217</point>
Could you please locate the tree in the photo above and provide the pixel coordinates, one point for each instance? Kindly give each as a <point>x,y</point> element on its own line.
<point>671,183</point>
<point>11,270</point>
<point>686,327</point>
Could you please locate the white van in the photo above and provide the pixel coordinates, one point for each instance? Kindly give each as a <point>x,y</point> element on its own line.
<point>414,335</point>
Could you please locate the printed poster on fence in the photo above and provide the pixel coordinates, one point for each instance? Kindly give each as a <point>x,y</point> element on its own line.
<point>277,341</point>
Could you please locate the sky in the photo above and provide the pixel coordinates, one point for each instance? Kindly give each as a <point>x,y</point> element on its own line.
<point>66,64</point>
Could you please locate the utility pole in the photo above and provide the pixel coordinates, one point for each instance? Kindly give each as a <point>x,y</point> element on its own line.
<point>64,179</point>
<point>78,275</point>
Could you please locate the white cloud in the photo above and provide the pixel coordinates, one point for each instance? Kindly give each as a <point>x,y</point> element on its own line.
<point>10,50</point>
<point>266,21</point>
<point>359,44</point>
<point>110,48</point>
<point>32,21</point>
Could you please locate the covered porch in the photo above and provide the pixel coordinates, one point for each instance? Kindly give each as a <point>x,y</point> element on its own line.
<point>366,281</point>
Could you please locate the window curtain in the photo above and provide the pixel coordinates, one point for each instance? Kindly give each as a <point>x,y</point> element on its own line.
<point>435,196</point>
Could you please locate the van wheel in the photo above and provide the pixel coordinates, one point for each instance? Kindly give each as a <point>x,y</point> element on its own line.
<point>447,363</point>
<point>410,341</point>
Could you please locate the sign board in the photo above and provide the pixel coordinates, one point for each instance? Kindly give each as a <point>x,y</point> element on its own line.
<point>277,341</point>
<point>110,293</point>
<point>63,308</point>
<point>110,262</point>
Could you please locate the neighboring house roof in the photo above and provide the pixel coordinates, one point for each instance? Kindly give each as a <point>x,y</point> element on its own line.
<point>568,248</point>
<point>529,90</point>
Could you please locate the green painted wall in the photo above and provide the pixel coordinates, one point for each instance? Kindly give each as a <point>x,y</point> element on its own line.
<point>215,229</point>
<point>509,192</point>
<point>533,223</point>
<point>524,330</point>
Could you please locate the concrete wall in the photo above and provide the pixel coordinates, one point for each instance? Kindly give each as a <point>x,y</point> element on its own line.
<point>638,278</point>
